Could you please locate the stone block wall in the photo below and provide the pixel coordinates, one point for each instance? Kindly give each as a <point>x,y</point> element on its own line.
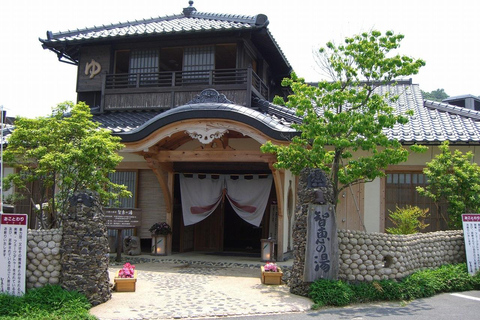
<point>376,256</point>
<point>43,257</point>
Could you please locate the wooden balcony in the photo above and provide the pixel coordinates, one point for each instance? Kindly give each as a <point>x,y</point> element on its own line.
<point>165,90</point>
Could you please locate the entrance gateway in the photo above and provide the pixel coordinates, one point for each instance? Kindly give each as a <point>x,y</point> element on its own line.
<point>223,213</point>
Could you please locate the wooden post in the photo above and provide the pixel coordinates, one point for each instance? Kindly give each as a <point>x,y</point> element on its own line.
<point>119,245</point>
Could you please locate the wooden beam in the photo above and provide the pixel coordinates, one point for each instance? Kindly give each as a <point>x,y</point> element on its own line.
<point>161,170</point>
<point>214,156</point>
<point>279,180</point>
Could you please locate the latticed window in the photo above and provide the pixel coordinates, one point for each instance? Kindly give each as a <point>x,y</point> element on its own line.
<point>400,191</point>
<point>145,64</point>
<point>197,64</point>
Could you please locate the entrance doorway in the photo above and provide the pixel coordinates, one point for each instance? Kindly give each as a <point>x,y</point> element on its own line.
<point>222,232</point>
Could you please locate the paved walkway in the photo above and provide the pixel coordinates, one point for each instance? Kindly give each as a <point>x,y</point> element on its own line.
<point>189,288</point>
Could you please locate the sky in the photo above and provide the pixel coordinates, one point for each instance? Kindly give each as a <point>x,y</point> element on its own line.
<point>443,33</point>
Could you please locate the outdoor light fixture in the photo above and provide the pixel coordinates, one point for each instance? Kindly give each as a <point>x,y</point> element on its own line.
<point>268,247</point>
<point>159,245</point>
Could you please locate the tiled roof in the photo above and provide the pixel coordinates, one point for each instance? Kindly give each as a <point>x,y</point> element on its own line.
<point>64,44</point>
<point>135,125</point>
<point>197,21</point>
<point>432,122</point>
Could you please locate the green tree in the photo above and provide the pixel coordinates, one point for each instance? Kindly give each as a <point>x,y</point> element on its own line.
<point>455,180</point>
<point>58,155</point>
<point>435,95</point>
<point>343,121</point>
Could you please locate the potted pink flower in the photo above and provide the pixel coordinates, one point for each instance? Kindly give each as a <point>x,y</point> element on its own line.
<point>126,278</point>
<point>271,273</point>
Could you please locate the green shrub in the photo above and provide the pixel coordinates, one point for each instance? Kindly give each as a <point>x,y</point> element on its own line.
<point>421,284</point>
<point>331,292</point>
<point>408,220</point>
<point>49,302</point>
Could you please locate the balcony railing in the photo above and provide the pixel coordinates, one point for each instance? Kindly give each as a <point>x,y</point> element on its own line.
<point>169,79</point>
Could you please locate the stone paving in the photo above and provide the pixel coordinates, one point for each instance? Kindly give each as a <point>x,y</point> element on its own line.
<point>173,290</point>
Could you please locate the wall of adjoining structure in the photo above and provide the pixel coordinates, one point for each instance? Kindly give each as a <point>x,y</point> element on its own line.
<point>43,257</point>
<point>376,256</point>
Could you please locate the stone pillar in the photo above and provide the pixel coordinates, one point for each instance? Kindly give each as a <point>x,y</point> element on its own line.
<point>316,234</point>
<point>85,249</point>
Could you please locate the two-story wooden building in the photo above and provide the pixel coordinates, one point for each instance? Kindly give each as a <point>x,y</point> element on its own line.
<point>190,96</point>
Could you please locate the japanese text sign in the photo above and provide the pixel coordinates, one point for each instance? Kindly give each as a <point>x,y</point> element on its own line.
<point>13,255</point>
<point>321,254</point>
<point>471,235</point>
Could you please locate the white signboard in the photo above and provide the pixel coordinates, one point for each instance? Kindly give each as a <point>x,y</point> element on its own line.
<point>13,257</point>
<point>471,235</point>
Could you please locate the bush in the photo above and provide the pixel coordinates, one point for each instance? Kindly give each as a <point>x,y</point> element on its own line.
<point>49,302</point>
<point>331,292</point>
<point>421,284</point>
<point>408,220</point>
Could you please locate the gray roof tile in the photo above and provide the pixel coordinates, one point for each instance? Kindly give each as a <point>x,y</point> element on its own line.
<point>431,122</point>
<point>197,21</point>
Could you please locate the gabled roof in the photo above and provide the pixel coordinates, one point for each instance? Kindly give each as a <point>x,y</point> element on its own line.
<point>190,21</point>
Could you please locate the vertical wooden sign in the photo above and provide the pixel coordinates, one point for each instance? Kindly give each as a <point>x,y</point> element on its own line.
<point>321,254</point>
<point>13,255</point>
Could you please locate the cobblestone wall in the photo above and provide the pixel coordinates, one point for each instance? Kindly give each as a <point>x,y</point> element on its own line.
<point>43,257</point>
<point>85,249</point>
<point>375,256</point>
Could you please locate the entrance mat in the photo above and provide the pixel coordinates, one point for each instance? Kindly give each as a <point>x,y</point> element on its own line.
<point>235,254</point>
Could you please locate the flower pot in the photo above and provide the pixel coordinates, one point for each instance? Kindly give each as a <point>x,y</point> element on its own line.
<point>269,277</point>
<point>125,284</point>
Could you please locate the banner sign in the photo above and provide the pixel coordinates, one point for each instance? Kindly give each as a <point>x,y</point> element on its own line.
<point>471,235</point>
<point>122,218</point>
<point>321,254</point>
<point>13,258</point>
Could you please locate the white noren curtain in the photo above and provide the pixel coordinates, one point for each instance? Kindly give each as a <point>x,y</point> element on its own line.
<point>248,196</point>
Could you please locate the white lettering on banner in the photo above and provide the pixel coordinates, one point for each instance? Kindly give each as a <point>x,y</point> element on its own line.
<point>13,257</point>
<point>471,235</point>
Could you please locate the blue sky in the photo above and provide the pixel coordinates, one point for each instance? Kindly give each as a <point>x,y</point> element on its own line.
<point>443,33</point>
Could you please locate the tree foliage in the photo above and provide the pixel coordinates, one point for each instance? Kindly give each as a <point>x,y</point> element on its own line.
<point>436,95</point>
<point>346,115</point>
<point>455,180</point>
<point>59,155</point>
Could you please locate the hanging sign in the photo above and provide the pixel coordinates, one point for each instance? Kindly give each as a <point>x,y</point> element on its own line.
<point>13,257</point>
<point>471,235</point>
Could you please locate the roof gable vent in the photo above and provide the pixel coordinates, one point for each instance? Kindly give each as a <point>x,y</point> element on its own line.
<point>188,10</point>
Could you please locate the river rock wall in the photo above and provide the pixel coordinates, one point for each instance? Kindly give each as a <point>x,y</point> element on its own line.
<point>376,256</point>
<point>43,257</point>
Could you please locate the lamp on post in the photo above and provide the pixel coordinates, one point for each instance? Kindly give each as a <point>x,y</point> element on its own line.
<point>268,249</point>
